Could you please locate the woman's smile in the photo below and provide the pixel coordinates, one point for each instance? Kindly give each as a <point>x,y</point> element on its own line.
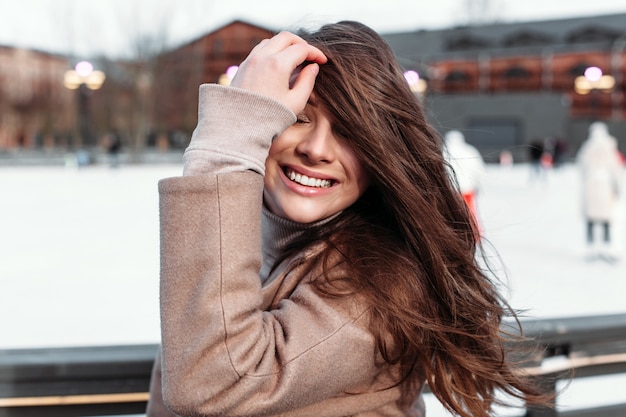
<point>307,180</point>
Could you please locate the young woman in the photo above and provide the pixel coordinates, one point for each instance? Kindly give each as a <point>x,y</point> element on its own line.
<point>316,258</point>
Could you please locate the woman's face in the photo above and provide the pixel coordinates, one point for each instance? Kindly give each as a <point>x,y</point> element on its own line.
<point>310,174</point>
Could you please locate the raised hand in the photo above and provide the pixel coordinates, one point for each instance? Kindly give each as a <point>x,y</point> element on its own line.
<point>274,69</point>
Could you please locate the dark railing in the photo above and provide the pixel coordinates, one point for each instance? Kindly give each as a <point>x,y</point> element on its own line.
<point>83,381</point>
<point>576,347</point>
<point>114,380</point>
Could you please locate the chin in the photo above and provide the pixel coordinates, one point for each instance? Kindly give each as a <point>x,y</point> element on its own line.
<point>301,209</point>
<point>304,218</point>
<point>306,213</point>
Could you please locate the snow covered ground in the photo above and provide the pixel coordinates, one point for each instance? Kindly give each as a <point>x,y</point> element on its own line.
<point>79,256</point>
<point>536,226</point>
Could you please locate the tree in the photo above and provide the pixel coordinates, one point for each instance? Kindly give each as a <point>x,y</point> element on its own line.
<point>480,12</point>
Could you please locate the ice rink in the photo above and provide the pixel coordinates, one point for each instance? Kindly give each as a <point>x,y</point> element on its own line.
<point>79,258</point>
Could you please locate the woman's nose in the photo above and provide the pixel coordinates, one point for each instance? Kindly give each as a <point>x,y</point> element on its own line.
<point>318,144</point>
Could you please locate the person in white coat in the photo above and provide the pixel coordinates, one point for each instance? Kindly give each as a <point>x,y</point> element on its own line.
<point>601,171</point>
<point>467,166</point>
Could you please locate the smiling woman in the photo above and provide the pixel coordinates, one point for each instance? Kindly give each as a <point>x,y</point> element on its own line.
<point>316,257</point>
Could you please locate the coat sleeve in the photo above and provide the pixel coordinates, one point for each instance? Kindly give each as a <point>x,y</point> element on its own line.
<point>234,131</point>
<point>155,406</point>
<point>222,353</point>
<point>225,113</point>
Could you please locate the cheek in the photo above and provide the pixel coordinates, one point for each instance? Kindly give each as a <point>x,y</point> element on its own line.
<point>273,152</point>
<point>274,147</point>
<point>358,172</point>
<point>280,144</point>
<point>271,164</point>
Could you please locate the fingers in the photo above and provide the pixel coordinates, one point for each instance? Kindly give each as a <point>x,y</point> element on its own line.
<point>303,85</point>
<point>275,68</point>
<point>284,41</point>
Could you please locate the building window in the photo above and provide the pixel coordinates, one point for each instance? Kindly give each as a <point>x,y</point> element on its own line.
<point>516,73</point>
<point>464,42</point>
<point>526,38</point>
<point>457,81</point>
<point>592,34</point>
<point>218,48</point>
<point>579,69</point>
<point>516,78</point>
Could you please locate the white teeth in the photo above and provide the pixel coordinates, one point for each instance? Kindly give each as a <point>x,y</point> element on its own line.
<point>309,182</point>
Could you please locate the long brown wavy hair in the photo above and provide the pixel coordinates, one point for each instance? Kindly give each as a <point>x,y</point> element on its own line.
<point>410,242</point>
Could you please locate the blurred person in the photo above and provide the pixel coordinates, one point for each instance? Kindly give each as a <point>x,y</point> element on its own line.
<point>601,174</point>
<point>316,258</point>
<point>538,160</point>
<point>506,159</point>
<point>113,145</point>
<point>467,166</point>
<point>559,150</point>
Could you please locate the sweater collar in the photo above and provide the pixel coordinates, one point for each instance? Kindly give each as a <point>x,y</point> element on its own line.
<point>278,233</point>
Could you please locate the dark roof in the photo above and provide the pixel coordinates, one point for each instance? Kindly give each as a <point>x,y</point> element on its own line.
<point>570,34</point>
<point>236,22</point>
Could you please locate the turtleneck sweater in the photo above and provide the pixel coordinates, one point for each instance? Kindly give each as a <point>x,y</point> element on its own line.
<point>278,234</point>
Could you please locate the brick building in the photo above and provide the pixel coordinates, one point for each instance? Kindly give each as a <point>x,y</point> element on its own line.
<point>34,105</point>
<point>203,60</point>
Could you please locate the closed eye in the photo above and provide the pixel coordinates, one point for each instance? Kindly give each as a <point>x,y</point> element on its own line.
<point>302,119</point>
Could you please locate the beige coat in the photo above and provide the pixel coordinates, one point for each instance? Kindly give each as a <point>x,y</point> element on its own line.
<point>239,343</point>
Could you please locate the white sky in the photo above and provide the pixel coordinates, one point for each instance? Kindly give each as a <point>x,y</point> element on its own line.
<point>108,26</point>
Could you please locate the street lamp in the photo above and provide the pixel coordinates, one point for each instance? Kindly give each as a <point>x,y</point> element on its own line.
<point>593,81</point>
<point>84,78</point>
<point>84,74</point>
<point>416,83</point>
<point>227,77</point>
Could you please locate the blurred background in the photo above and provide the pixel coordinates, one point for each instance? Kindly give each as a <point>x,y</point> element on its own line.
<point>98,101</point>
<point>123,75</point>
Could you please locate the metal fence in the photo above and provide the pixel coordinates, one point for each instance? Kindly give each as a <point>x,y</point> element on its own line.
<point>114,380</point>
<point>83,381</point>
<point>576,347</point>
